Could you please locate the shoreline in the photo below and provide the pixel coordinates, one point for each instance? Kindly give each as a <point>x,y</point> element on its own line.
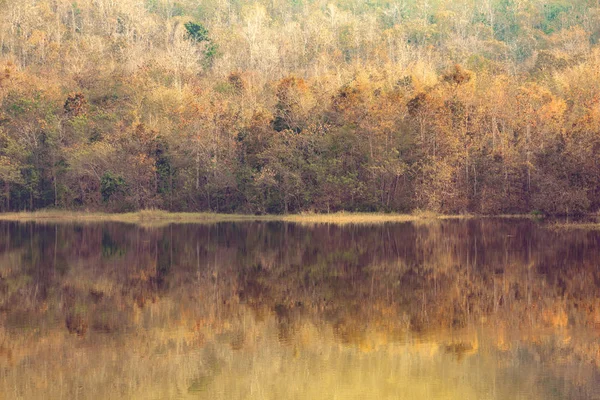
<point>164,217</point>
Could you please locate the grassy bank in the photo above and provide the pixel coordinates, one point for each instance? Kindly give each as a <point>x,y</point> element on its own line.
<point>162,217</point>
<point>145,216</point>
<point>589,226</point>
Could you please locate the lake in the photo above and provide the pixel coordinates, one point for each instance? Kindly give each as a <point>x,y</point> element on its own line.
<point>452,309</point>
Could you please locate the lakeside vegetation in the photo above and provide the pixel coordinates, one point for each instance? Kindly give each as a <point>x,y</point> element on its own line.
<point>131,217</point>
<point>276,107</point>
<point>586,225</point>
<point>158,216</point>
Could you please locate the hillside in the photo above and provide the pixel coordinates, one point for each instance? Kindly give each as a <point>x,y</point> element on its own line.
<point>278,106</point>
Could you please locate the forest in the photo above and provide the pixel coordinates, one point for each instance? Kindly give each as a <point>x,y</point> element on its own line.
<point>285,106</point>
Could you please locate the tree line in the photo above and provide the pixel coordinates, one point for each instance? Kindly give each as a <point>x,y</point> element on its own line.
<point>288,106</point>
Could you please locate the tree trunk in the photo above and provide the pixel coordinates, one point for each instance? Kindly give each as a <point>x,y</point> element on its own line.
<point>528,159</point>
<point>197,164</point>
<point>55,190</point>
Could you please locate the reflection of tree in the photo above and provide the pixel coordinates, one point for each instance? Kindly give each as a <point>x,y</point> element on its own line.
<point>423,277</point>
<point>362,282</point>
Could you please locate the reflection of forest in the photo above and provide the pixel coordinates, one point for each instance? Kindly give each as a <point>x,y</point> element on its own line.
<point>121,289</point>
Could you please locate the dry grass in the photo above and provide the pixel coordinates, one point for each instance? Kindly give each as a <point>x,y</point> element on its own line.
<point>348,218</point>
<point>343,218</point>
<point>590,226</point>
<point>141,217</point>
<point>158,217</point>
<point>516,216</point>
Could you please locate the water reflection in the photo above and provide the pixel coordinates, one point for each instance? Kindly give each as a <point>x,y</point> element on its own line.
<point>475,309</point>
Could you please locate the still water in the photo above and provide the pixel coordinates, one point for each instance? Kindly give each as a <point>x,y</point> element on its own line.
<point>466,309</point>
